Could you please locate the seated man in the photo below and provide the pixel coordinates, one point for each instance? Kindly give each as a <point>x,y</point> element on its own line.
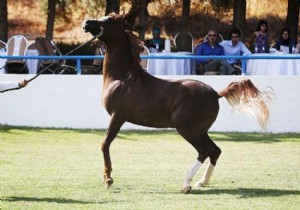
<point>235,47</point>
<point>211,47</point>
<point>157,43</point>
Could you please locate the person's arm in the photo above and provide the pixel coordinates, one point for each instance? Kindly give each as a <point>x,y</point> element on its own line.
<point>245,50</point>
<point>200,52</point>
<point>277,45</point>
<point>12,84</point>
<point>222,50</point>
<point>8,85</point>
<point>23,83</point>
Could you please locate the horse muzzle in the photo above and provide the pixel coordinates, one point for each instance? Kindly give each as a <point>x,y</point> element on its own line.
<point>93,28</point>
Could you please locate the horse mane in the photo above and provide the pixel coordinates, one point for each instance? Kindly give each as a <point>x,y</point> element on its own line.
<point>137,46</point>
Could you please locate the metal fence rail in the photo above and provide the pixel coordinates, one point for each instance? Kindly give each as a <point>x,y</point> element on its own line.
<point>78,58</point>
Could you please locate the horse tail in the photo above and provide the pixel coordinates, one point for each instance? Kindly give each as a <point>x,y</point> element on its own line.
<point>245,97</point>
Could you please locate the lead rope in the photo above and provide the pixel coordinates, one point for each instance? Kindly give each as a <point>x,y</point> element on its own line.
<point>46,68</point>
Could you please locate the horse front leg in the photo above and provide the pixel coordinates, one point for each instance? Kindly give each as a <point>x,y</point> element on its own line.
<point>111,133</point>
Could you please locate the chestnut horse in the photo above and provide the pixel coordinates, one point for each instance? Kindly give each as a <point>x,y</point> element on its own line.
<point>132,95</point>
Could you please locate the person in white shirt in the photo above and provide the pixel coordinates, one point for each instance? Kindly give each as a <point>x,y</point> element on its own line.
<point>235,47</point>
<point>12,84</point>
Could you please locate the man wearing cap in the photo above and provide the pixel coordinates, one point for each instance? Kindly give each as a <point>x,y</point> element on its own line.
<point>157,43</point>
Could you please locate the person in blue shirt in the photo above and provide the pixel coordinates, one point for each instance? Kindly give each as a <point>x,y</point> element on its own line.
<point>212,47</point>
<point>157,43</point>
<point>235,47</point>
<point>285,40</point>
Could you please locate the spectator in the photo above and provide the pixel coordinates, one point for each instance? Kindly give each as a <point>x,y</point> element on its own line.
<point>260,38</point>
<point>211,47</point>
<point>285,41</point>
<point>157,43</point>
<point>12,84</point>
<point>235,47</point>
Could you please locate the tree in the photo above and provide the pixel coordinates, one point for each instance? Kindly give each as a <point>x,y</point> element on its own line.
<point>292,18</point>
<point>3,21</point>
<point>239,16</point>
<point>185,15</point>
<point>50,18</point>
<point>137,16</point>
<point>112,6</point>
<point>143,18</point>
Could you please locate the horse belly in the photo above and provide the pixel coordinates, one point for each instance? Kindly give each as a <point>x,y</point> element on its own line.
<point>199,114</point>
<point>151,117</point>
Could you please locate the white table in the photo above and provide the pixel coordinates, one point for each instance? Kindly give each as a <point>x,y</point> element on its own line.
<point>273,67</point>
<point>32,64</point>
<point>171,66</point>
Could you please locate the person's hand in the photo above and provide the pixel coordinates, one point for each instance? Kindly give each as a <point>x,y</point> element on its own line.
<point>23,83</point>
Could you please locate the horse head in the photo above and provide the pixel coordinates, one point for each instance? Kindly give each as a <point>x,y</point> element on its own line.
<point>106,27</point>
<point>111,29</point>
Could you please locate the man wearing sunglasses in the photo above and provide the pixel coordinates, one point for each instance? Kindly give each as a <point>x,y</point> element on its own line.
<point>235,47</point>
<point>212,47</point>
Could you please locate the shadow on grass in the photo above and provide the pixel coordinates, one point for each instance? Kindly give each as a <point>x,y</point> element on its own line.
<point>49,200</point>
<point>167,133</point>
<point>247,192</point>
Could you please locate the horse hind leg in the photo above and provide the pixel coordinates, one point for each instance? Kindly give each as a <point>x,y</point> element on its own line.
<point>197,143</point>
<point>186,188</point>
<point>214,153</point>
<point>111,133</point>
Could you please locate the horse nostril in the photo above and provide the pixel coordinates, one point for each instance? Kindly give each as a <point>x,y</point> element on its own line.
<point>84,24</point>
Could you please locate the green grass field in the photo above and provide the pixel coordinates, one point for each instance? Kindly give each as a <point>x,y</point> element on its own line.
<point>62,169</point>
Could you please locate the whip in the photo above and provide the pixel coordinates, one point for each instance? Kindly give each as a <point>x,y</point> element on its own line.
<point>48,67</point>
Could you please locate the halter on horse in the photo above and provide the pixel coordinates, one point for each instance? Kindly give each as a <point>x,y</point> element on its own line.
<point>132,95</point>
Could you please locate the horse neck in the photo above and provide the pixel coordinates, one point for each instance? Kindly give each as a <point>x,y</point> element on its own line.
<point>118,60</point>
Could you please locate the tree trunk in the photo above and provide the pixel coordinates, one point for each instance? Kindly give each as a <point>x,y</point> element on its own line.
<point>3,21</point>
<point>50,19</point>
<point>292,18</point>
<point>112,6</point>
<point>239,16</point>
<point>142,24</point>
<point>138,10</point>
<point>185,15</point>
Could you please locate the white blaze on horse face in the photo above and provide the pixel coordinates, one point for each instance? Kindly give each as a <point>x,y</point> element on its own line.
<point>191,173</point>
<point>103,19</point>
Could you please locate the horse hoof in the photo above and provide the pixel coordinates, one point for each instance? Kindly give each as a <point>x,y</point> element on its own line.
<point>187,189</point>
<point>108,182</point>
<point>200,184</point>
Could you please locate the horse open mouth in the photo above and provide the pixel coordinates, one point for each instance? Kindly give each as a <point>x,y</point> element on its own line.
<point>84,26</point>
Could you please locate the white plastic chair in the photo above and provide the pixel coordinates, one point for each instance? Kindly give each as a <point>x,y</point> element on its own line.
<point>145,62</point>
<point>2,52</point>
<point>16,46</point>
<point>32,64</point>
